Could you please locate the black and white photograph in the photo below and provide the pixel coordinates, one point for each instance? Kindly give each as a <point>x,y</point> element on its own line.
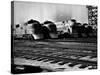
<point>53,37</point>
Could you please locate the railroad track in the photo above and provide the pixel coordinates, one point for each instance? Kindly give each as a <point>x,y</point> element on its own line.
<point>56,56</point>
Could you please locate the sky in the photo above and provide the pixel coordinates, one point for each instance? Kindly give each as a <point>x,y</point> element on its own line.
<point>24,11</point>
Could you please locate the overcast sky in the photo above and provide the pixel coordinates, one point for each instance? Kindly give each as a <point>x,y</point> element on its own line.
<point>24,11</point>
